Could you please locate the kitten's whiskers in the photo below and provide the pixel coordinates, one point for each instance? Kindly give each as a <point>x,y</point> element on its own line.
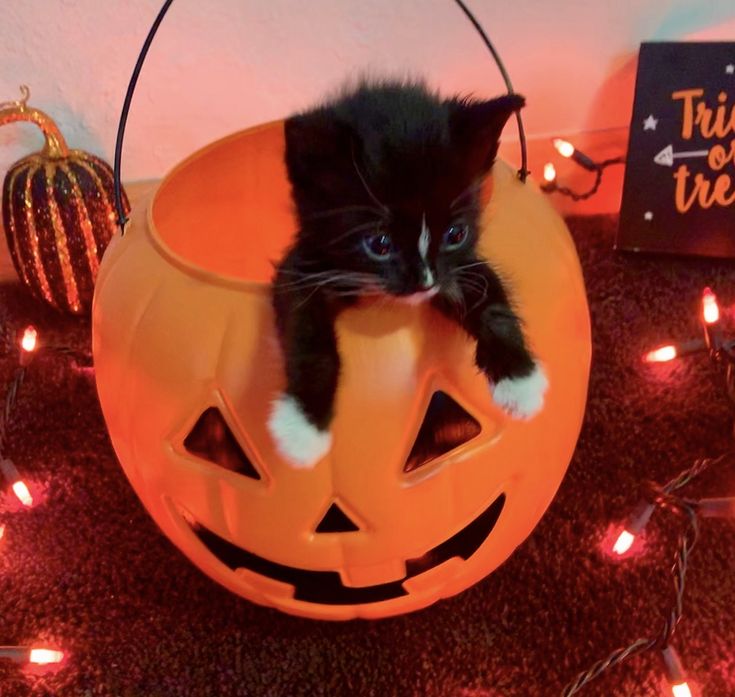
<point>353,280</point>
<point>471,190</point>
<point>461,212</point>
<point>362,287</point>
<point>362,227</point>
<point>380,204</point>
<point>473,281</point>
<point>462,267</point>
<point>453,292</point>
<point>344,209</point>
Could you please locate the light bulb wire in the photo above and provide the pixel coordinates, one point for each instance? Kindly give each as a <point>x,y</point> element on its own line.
<point>15,383</point>
<point>663,497</point>
<point>600,167</point>
<point>11,396</point>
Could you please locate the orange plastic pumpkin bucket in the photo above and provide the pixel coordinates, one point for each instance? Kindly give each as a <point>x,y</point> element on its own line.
<point>182,324</point>
<point>184,346</point>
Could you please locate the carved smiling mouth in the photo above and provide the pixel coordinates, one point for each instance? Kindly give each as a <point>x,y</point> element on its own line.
<point>326,587</point>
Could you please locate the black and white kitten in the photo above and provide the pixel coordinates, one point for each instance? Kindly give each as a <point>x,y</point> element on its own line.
<point>386,180</point>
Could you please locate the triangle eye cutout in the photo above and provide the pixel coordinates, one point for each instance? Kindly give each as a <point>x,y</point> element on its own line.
<point>336,520</point>
<point>446,425</point>
<point>212,440</point>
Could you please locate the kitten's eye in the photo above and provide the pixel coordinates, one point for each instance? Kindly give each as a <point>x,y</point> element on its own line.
<point>378,246</point>
<point>455,236</point>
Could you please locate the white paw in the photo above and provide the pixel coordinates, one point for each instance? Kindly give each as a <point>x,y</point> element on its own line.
<point>296,438</point>
<point>522,397</point>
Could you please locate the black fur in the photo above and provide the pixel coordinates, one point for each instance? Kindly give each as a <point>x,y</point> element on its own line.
<point>380,160</point>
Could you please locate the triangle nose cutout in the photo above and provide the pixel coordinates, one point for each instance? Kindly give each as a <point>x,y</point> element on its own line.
<point>336,520</point>
<point>446,425</point>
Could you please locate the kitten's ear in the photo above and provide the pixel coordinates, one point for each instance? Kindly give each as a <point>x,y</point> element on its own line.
<point>476,127</point>
<point>319,147</point>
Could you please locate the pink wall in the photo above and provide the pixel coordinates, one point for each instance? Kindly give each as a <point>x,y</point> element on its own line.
<point>219,65</point>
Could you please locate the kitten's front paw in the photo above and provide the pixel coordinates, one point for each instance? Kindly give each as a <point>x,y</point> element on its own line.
<point>296,438</point>
<point>523,397</point>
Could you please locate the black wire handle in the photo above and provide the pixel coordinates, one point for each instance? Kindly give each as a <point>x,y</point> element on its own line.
<point>121,217</point>
<point>523,171</point>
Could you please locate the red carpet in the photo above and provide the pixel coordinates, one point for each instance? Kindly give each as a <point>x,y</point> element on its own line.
<point>88,569</point>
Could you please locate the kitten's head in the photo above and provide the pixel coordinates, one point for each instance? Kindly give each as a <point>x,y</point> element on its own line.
<point>386,183</point>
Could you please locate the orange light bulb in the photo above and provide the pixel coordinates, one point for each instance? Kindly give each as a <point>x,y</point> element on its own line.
<point>21,491</point>
<point>681,690</point>
<point>563,147</point>
<point>45,656</point>
<point>634,527</point>
<point>549,172</point>
<point>661,355</point>
<point>30,339</point>
<point>624,542</point>
<point>710,308</point>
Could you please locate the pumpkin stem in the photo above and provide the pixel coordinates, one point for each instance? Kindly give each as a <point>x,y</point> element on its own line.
<point>19,110</point>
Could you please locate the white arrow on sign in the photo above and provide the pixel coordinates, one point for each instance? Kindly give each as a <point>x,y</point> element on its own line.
<point>667,156</point>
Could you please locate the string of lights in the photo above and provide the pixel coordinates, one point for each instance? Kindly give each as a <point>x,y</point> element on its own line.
<point>28,347</point>
<point>667,497</point>
<point>655,497</point>
<point>567,150</point>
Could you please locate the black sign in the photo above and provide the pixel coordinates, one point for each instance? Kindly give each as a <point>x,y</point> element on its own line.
<point>679,191</point>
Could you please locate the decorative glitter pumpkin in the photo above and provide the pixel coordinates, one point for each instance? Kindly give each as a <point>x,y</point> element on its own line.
<point>428,486</point>
<point>58,215</point>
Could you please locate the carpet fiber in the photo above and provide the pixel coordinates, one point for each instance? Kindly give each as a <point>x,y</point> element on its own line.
<point>88,568</point>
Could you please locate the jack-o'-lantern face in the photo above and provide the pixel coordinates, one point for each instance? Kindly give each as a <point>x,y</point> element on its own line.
<point>428,486</point>
<point>446,426</point>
